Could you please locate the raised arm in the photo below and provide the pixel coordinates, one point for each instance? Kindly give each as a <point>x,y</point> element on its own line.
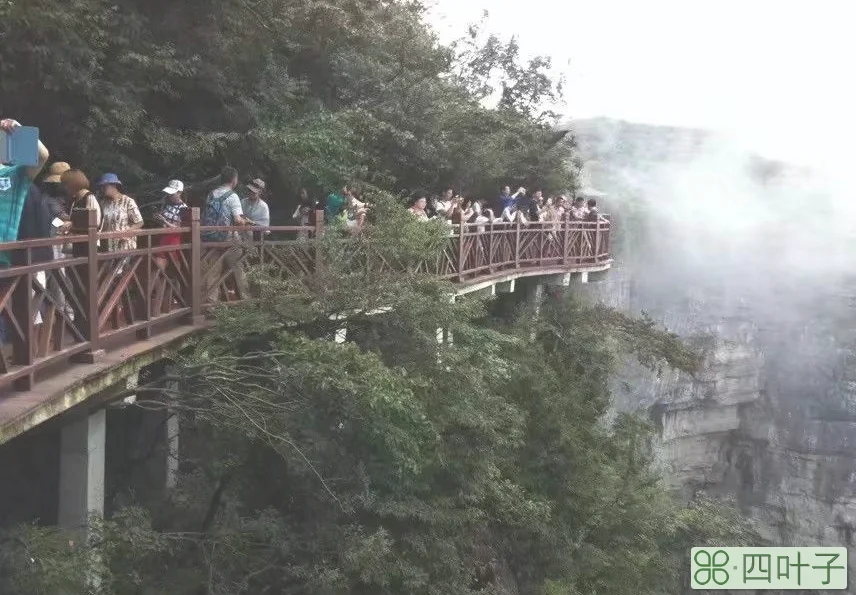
<point>44,155</point>
<point>233,203</point>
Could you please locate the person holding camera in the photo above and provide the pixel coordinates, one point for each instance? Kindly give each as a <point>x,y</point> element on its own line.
<point>15,181</point>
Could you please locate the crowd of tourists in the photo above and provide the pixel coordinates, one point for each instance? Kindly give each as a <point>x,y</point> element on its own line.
<point>520,207</point>
<point>37,204</point>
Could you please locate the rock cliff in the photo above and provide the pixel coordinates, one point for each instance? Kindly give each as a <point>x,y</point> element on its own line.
<point>742,255</point>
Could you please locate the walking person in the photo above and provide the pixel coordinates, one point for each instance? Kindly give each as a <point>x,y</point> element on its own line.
<point>223,209</point>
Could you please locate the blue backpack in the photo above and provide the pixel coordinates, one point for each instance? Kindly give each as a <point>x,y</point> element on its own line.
<point>216,215</point>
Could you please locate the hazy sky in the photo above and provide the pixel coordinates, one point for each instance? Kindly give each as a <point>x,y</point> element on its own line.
<point>776,74</point>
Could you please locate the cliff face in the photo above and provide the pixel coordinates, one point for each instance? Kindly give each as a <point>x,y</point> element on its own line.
<point>771,421</point>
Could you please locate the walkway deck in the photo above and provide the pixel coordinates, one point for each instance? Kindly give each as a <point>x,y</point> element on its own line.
<point>71,323</point>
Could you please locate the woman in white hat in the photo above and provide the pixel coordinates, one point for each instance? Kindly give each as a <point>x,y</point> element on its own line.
<point>172,214</point>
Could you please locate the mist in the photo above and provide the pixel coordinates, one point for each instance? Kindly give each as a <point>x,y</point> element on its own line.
<point>705,213</point>
<point>715,240</point>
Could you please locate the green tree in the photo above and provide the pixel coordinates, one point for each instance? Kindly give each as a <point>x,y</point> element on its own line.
<point>390,464</point>
<point>305,92</point>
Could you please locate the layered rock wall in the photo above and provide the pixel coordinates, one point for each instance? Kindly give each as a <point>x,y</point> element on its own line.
<point>771,420</point>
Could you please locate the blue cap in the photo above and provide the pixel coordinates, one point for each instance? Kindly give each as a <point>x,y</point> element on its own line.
<point>109,179</point>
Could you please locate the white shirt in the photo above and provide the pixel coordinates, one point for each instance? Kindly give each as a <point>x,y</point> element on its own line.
<point>256,211</point>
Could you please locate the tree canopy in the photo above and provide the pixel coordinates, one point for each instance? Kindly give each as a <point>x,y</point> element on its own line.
<point>389,464</point>
<point>385,465</point>
<point>304,92</point>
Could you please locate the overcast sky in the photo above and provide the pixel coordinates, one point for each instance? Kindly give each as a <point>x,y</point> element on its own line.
<point>776,74</point>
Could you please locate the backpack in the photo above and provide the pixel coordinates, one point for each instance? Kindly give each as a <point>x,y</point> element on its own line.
<point>216,215</point>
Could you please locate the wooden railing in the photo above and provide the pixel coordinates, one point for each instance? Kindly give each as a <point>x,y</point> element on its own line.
<point>73,309</point>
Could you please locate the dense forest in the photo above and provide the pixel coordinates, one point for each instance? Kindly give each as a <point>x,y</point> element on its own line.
<point>303,92</point>
<point>387,464</point>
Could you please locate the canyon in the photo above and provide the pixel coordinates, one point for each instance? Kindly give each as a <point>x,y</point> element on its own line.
<point>746,259</point>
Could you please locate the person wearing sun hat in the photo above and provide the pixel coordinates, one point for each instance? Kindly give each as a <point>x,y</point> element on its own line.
<point>255,208</point>
<point>55,171</point>
<point>172,213</point>
<point>119,212</point>
<point>54,192</point>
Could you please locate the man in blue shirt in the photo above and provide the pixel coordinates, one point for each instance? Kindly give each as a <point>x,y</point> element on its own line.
<point>15,183</point>
<point>506,199</point>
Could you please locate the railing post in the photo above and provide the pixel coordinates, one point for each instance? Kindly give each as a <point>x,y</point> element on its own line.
<point>88,220</point>
<point>597,241</point>
<point>319,233</point>
<point>517,246</point>
<point>22,307</point>
<point>461,251</point>
<point>144,273</point>
<point>490,249</point>
<point>196,285</point>
<point>565,233</point>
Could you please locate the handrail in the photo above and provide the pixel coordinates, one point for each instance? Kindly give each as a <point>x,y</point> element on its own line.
<point>70,310</point>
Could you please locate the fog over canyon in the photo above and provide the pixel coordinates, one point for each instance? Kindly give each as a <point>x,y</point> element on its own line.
<point>750,259</point>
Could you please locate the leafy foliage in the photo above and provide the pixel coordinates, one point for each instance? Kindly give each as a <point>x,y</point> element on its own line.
<point>305,92</point>
<point>389,464</point>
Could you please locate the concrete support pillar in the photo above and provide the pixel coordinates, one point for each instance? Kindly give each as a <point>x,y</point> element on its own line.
<point>535,296</point>
<point>81,470</point>
<point>171,431</point>
<point>450,338</point>
<point>444,335</point>
<point>506,286</point>
<point>561,280</point>
<point>596,276</point>
<point>172,450</point>
<point>132,382</point>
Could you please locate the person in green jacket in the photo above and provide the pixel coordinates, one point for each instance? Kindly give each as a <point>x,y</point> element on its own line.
<point>336,204</point>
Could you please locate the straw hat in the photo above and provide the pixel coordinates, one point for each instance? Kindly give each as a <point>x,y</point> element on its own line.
<point>55,172</point>
<point>257,186</point>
